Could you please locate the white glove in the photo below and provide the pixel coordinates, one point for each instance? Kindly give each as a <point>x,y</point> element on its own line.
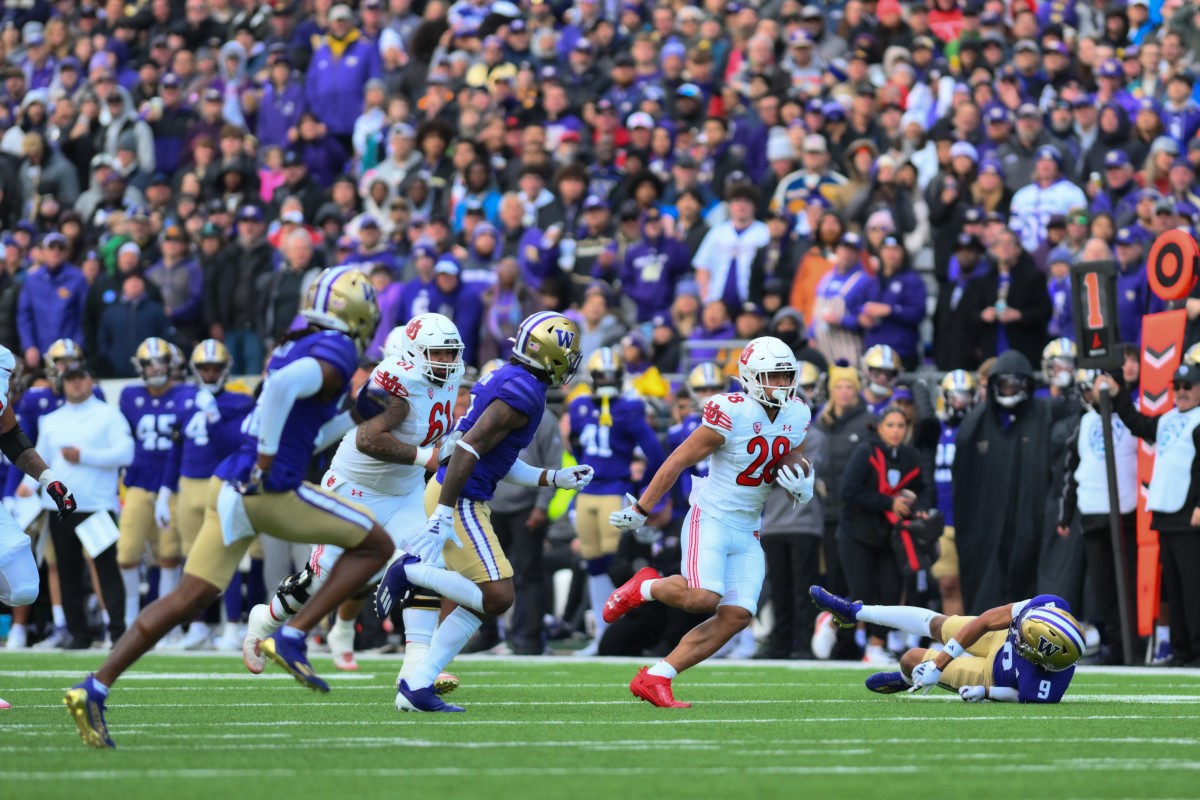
<point>628,518</point>
<point>206,403</point>
<point>162,511</point>
<point>925,677</point>
<point>429,543</point>
<point>571,477</point>
<point>973,694</point>
<point>792,479</point>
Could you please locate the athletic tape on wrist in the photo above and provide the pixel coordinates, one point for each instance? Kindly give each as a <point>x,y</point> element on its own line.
<point>954,649</point>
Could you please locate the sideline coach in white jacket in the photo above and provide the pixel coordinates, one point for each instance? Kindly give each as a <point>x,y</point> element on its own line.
<point>86,442</point>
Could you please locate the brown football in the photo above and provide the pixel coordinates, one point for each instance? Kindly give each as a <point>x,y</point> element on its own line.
<point>795,458</point>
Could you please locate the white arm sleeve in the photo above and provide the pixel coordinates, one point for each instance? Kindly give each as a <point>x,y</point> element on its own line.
<point>523,474</point>
<point>1001,694</point>
<point>333,430</point>
<point>301,378</point>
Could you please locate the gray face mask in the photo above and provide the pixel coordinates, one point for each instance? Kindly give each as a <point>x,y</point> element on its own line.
<point>1011,401</point>
<point>1063,379</point>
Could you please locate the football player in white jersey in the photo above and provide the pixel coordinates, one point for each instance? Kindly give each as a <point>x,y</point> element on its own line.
<point>745,434</point>
<point>407,405</point>
<point>19,578</point>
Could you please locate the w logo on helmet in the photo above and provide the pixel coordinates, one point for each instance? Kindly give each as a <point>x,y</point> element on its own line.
<point>565,338</point>
<point>1047,648</point>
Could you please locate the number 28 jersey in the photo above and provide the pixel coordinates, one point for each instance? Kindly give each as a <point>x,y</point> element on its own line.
<point>742,471</point>
<point>429,410</point>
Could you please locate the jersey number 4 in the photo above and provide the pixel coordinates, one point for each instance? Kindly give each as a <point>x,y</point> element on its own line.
<point>766,458</point>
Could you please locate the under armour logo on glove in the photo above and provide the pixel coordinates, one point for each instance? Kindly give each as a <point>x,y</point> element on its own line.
<point>62,498</point>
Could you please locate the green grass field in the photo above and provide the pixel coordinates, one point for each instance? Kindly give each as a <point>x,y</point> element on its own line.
<point>201,727</point>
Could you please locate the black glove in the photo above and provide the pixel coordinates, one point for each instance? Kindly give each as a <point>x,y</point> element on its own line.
<point>62,498</point>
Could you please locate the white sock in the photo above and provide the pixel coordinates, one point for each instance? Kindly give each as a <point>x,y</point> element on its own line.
<point>902,618</point>
<point>663,670</point>
<point>289,632</point>
<point>60,619</point>
<point>231,631</point>
<point>168,579</point>
<point>447,642</point>
<point>279,614</point>
<point>419,625</point>
<point>133,597</point>
<point>341,627</point>
<point>1161,632</point>
<point>198,628</point>
<point>895,641</point>
<point>599,588</point>
<point>448,584</point>
<point>646,585</point>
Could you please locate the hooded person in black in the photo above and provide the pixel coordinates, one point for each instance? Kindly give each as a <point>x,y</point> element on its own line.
<point>1002,480</point>
<point>788,326</point>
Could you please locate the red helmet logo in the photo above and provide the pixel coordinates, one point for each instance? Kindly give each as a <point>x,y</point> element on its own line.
<point>746,353</point>
<point>413,329</point>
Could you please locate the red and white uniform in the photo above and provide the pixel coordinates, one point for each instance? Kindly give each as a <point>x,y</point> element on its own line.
<point>393,493</point>
<point>721,548</point>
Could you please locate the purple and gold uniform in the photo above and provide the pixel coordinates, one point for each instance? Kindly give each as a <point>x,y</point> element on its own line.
<point>609,446</point>
<point>285,506</point>
<point>153,419</point>
<point>199,448</point>
<point>481,558</point>
<point>995,660</point>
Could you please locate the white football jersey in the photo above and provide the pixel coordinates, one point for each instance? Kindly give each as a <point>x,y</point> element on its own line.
<point>741,471</point>
<point>428,420</point>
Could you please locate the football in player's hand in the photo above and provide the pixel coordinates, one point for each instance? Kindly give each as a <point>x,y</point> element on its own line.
<point>796,459</point>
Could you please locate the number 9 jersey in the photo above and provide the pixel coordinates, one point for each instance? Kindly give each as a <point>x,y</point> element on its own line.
<point>428,420</point>
<point>742,471</point>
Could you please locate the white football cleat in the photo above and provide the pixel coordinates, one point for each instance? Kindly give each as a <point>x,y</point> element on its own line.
<point>197,638</point>
<point>259,627</point>
<point>230,638</point>
<point>824,636</point>
<point>341,646</point>
<point>877,656</point>
<point>53,641</point>
<point>172,641</point>
<point>18,638</point>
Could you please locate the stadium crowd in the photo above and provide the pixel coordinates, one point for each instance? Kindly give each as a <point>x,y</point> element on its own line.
<point>896,191</point>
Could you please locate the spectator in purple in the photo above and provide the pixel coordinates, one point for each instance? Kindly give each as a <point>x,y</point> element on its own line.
<point>318,148</point>
<point>1118,197</point>
<point>1058,286</point>
<point>338,74</point>
<point>39,64</point>
<point>282,101</point>
<point>181,282</point>
<point>51,304</point>
<point>895,305</point>
<point>714,326</point>
<point>835,329</point>
<point>652,268</point>
<point>1134,298</point>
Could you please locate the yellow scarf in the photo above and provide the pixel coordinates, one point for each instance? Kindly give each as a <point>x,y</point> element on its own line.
<point>338,46</point>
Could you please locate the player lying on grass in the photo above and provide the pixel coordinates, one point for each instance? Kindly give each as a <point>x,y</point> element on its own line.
<point>1017,653</point>
<point>747,435</point>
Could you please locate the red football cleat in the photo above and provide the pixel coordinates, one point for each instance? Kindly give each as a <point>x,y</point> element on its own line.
<point>629,596</point>
<point>654,690</point>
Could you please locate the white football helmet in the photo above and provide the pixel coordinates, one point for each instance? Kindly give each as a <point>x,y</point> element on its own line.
<point>424,334</point>
<point>762,357</point>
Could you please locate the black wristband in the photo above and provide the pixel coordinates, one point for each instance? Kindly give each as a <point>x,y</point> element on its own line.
<point>638,508</point>
<point>13,443</point>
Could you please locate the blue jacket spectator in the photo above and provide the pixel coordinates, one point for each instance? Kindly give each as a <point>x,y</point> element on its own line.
<point>895,305</point>
<point>51,304</point>
<point>283,102</point>
<point>127,323</point>
<point>339,71</point>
